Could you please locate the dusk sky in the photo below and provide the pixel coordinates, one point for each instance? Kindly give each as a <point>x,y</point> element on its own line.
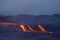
<point>32,7</point>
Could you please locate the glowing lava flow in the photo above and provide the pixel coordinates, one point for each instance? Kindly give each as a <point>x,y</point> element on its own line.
<point>23,28</point>
<point>30,28</point>
<point>41,28</point>
<point>7,23</point>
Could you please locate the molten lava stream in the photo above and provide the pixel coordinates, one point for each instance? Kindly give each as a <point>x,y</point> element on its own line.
<point>30,28</point>
<point>42,29</point>
<point>23,28</point>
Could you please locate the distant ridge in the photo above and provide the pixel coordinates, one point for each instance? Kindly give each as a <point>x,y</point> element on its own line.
<point>32,19</point>
<point>3,19</point>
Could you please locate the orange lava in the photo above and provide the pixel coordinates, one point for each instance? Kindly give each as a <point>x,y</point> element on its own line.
<point>23,28</point>
<point>30,28</point>
<point>42,28</point>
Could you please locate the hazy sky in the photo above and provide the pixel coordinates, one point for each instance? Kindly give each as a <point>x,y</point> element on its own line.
<point>33,7</point>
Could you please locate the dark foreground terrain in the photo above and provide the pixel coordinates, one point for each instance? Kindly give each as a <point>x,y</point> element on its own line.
<point>10,34</point>
<point>27,36</point>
